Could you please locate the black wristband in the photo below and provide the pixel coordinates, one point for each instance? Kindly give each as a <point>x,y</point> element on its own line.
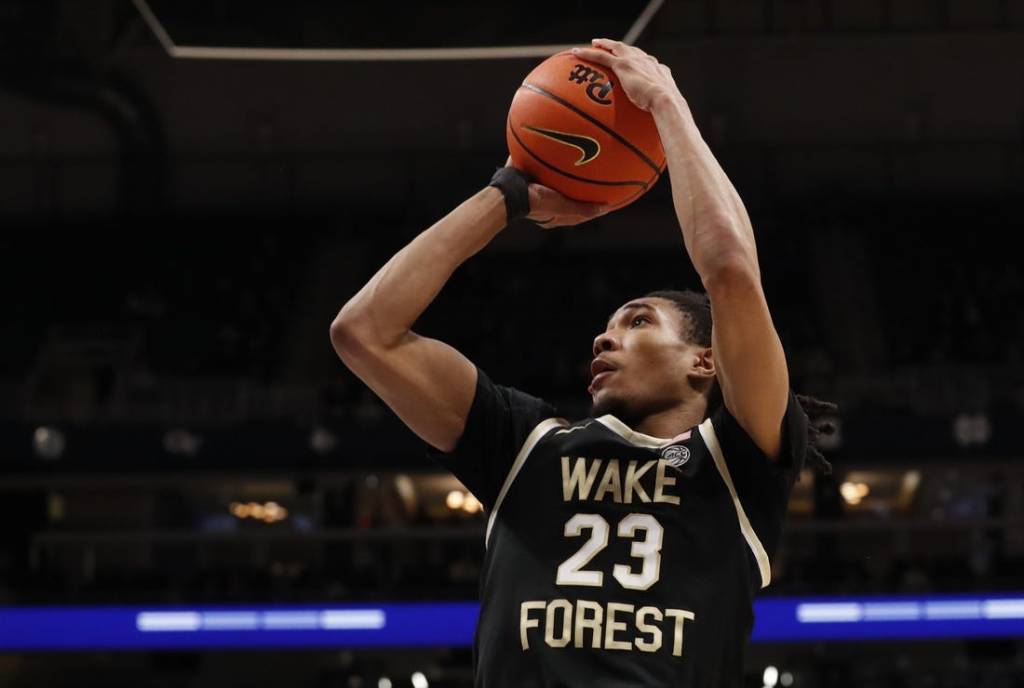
<point>515,187</point>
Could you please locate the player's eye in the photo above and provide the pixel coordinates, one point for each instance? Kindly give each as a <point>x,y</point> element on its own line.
<point>639,318</point>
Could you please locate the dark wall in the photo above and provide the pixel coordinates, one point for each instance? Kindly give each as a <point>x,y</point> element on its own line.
<point>869,102</point>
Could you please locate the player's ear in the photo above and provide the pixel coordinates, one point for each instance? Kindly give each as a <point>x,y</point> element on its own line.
<point>703,365</point>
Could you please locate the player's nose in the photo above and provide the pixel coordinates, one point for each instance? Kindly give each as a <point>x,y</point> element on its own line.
<point>603,342</point>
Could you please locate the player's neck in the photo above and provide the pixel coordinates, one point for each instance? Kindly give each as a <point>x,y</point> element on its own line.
<point>674,420</point>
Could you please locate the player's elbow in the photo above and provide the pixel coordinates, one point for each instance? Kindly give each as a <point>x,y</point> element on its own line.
<point>347,334</point>
<point>357,337</point>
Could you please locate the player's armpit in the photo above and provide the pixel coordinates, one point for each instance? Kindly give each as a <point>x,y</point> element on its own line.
<point>749,360</point>
<point>427,383</point>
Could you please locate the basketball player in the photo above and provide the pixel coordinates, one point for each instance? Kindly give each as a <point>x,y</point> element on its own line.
<point>623,549</point>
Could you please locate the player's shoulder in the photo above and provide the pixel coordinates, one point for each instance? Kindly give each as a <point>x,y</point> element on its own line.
<point>516,400</point>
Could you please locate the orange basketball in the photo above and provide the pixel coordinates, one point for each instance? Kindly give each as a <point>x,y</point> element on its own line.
<point>570,127</point>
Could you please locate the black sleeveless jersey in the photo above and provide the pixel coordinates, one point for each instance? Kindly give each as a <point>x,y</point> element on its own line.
<point>615,558</point>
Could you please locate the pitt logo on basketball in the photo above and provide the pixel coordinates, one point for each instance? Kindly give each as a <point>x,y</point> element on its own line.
<point>598,89</point>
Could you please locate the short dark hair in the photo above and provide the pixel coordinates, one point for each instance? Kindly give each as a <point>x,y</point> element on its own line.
<point>696,310</point>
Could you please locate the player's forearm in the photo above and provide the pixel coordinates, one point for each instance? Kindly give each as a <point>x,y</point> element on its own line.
<point>715,225</point>
<point>385,308</point>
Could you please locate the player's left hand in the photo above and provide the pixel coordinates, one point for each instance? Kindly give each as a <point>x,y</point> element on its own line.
<point>643,79</point>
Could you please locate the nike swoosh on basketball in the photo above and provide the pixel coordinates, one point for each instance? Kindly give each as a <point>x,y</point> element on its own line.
<point>589,148</point>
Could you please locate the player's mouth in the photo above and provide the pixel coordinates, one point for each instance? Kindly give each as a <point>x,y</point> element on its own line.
<point>599,377</point>
<point>600,369</point>
<point>601,365</point>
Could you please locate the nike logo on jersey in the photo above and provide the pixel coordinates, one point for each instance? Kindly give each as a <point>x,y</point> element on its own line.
<point>589,148</point>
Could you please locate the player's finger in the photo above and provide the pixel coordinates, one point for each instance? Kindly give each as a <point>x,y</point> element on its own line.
<point>562,207</point>
<point>584,211</point>
<point>599,209</point>
<point>596,55</point>
<point>614,47</point>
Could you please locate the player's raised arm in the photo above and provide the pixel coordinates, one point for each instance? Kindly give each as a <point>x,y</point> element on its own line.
<point>427,383</point>
<point>750,363</point>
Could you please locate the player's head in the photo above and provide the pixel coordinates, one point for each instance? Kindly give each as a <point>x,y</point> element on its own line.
<point>659,349</point>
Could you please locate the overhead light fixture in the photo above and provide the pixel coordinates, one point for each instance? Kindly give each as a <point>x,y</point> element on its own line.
<point>455,499</point>
<point>471,505</point>
<point>215,36</point>
<point>48,443</point>
<point>854,493</point>
<point>269,512</point>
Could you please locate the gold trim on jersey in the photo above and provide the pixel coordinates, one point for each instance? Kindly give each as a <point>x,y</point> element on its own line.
<point>532,439</point>
<point>628,433</point>
<point>707,431</point>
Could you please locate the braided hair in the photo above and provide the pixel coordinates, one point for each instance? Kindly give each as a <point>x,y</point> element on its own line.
<point>696,309</point>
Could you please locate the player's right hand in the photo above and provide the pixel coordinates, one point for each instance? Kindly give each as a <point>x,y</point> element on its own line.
<point>549,209</point>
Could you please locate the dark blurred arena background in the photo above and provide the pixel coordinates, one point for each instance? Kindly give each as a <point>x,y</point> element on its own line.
<point>180,227</point>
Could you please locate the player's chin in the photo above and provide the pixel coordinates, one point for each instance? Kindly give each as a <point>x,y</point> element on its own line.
<point>603,402</point>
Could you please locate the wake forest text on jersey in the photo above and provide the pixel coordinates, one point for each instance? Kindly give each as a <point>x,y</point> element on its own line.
<point>613,625</point>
